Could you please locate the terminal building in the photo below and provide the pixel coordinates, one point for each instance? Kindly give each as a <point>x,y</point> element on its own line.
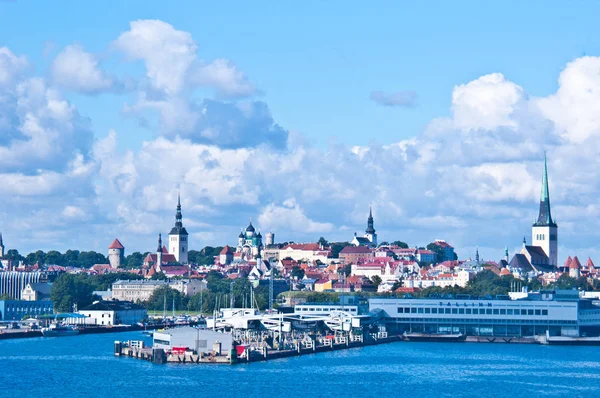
<point>558,313</point>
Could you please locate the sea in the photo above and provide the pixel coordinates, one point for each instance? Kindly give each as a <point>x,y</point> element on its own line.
<point>84,366</point>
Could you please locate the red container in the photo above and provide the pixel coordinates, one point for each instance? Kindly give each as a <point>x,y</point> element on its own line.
<point>240,349</point>
<point>179,350</point>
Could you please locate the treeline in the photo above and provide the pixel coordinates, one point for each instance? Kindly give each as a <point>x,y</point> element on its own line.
<point>77,289</point>
<point>70,289</point>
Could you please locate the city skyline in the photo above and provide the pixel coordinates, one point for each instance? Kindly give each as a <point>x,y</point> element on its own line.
<point>103,123</point>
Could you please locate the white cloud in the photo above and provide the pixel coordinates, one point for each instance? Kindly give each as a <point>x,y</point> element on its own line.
<point>575,107</point>
<point>77,70</point>
<point>486,103</point>
<point>400,98</point>
<point>172,64</point>
<point>290,217</point>
<point>11,66</point>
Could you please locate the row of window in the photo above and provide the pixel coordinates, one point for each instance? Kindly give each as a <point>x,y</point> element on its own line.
<point>469,311</point>
<point>313,309</point>
<point>484,321</point>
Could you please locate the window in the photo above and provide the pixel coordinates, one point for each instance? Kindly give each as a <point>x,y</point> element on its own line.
<point>461,310</point>
<point>502,311</point>
<point>529,312</point>
<point>434,310</point>
<point>413,310</point>
<point>544,312</point>
<point>488,311</point>
<point>420,310</point>
<point>509,312</point>
<point>400,310</point>
<point>468,310</point>
<point>496,312</point>
<point>538,312</point>
<point>406,310</point>
<point>523,312</point>
<point>447,310</point>
<point>427,310</point>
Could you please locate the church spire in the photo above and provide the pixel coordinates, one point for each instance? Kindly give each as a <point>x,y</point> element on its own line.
<point>545,216</point>
<point>370,228</point>
<point>160,245</point>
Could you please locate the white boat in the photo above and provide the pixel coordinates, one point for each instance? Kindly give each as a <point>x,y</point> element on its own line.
<point>60,329</point>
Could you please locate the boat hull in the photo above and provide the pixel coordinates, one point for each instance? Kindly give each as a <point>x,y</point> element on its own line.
<point>434,337</point>
<point>59,333</point>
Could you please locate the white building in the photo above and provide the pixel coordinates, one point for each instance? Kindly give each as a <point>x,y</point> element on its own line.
<point>113,313</point>
<point>142,290</point>
<point>370,237</point>
<point>308,252</point>
<point>178,237</point>
<point>197,340</point>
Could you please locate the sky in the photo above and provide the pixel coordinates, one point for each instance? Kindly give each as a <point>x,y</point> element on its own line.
<point>298,116</point>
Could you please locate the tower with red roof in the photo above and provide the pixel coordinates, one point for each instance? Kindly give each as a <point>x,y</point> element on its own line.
<point>116,252</point>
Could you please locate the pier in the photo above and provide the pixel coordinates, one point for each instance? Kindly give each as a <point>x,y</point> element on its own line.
<point>253,347</point>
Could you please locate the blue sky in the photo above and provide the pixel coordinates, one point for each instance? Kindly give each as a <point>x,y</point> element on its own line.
<point>307,72</point>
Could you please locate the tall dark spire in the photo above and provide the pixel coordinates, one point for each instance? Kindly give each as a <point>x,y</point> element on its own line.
<point>160,245</point>
<point>370,229</point>
<point>178,229</point>
<point>545,217</point>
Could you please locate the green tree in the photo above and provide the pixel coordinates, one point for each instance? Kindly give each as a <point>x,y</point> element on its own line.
<point>14,256</point>
<point>165,293</point>
<point>134,260</point>
<point>159,276</point>
<point>322,241</point>
<point>337,247</point>
<point>439,251</point>
<point>400,244</point>
<point>347,269</point>
<point>297,272</point>
<point>376,279</point>
<point>69,289</point>
<point>54,257</point>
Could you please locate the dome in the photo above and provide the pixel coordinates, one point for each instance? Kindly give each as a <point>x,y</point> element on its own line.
<point>241,235</point>
<point>250,228</point>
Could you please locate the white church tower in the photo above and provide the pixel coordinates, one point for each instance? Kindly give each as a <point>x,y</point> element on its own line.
<point>178,237</point>
<point>544,232</point>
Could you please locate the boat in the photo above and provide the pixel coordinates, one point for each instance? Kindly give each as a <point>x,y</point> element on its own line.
<point>59,330</point>
<point>434,337</point>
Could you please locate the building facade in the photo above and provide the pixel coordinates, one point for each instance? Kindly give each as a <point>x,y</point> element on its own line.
<point>114,313</point>
<point>178,237</point>
<point>556,312</point>
<point>16,310</point>
<point>12,283</point>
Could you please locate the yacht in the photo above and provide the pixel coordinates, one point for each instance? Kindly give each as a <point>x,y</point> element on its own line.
<point>60,329</point>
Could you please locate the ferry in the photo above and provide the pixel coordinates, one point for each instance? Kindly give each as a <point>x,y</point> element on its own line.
<point>434,337</point>
<point>59,330</point>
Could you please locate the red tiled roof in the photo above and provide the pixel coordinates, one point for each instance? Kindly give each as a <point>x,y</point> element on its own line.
<point>568,262</point>
<point>504,271</point>
<point>116,245</point>
<point>589,264</point>
<point>226,250</point>
<point>575,264</point>
<point>355,250</point>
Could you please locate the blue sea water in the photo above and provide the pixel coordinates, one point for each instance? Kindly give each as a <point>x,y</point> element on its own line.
<point>84,366</point>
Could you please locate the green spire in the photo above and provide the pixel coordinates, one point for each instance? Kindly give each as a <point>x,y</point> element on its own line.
<point>545,191</point>
<point>545,216</point>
